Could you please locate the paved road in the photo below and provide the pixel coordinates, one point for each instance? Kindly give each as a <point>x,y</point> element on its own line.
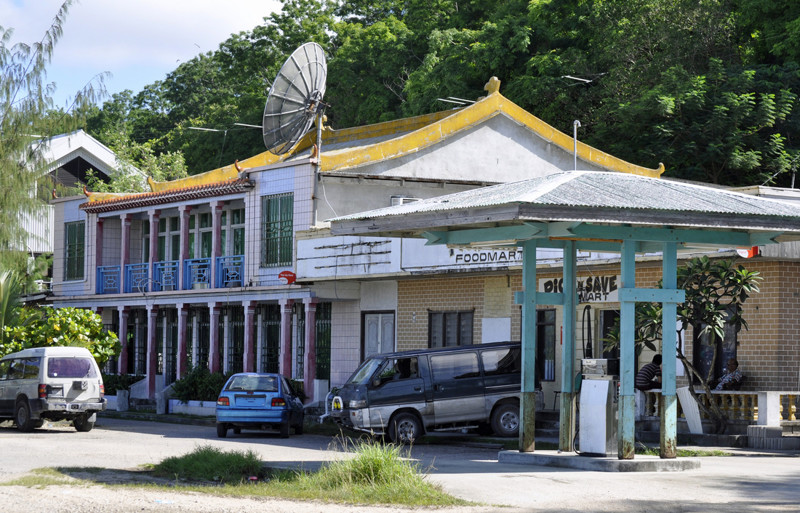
<point>745,482</point>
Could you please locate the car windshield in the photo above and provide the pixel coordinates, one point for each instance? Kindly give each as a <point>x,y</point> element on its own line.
<point>70,367</point>
<point>253,383</point>
<point>363,373</point>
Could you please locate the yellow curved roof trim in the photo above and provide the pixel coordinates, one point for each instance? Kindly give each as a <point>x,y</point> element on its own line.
<point>103,196</point>
<point>463,119</point>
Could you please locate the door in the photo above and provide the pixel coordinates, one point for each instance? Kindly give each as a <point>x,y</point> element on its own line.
<point>458,388</point>
<point>378,330</point>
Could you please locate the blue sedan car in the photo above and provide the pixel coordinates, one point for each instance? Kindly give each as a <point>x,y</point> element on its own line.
<point>258,401</point>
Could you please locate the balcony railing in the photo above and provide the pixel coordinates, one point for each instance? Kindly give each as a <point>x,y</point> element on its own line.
<point>108,279</point>
<point>230,271</point>
<point>197,273</point>
<point>165,275</point>
<point>136,278</point>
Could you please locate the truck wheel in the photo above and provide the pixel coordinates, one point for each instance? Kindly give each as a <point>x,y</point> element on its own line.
<point>405,428</point>
<point>82,424</point>
<point>23,417</point>
<point>505,420</point>
<point>222,430</point>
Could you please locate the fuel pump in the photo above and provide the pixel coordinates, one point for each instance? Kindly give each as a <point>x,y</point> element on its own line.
<point>599,397</point>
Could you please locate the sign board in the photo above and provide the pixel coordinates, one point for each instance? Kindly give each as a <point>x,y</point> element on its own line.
<point>591,289</point>
<point>287,277</point>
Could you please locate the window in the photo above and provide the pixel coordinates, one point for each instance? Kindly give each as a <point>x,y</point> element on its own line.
<point>276,230</point>
<point>546,345</point>
<point>74,247</point>
<point>448,329</point>
<point>498,362</point>
<point>454,366</point>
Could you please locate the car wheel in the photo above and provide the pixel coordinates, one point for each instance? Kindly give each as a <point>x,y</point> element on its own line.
<point>23,417</point>
<point>82,423</point>
<point>285,429</point>
<point>222,430</point>
<point>405,428</point>
<point>505,420</point>
<point>38,423</point>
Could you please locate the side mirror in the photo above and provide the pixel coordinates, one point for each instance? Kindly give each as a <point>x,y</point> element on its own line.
<point>376,382</point>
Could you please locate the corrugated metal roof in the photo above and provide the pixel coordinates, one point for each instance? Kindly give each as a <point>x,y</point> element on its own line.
<point>596,189</point>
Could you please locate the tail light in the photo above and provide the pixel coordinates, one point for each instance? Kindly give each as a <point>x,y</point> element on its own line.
<point>102,390</point>
<point>223,401</point>
<point>42,391</point>
<point>278,402</point>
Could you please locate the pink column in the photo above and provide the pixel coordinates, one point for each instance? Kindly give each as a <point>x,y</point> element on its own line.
<point>184,211</point>
<point>310,363</point>
<point>125,249</point>
<point>98,244</point>
<point>216,239</point>
<point>183,317</point>
<point>154,215</point>
<point>123,338</point>
<point>213,345</point>
<point>286,337</point>
<point>152,357</point>
<point>249,336</point>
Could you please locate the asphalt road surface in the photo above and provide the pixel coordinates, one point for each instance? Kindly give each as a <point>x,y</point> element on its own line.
<point>745,482</point>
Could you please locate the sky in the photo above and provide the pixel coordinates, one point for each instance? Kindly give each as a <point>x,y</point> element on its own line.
<point>137,41</point>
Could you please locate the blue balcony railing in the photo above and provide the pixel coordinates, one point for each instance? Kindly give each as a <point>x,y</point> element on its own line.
<point>230,271</point>
<point>136,278</point>
<point>196,273</point>
<point>165,275</point>
<point>108,279</point>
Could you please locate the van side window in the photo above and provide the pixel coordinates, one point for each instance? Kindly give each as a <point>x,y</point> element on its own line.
<point>454,366</point>
<point>31,368</point>
<point>4,369</point>
<point>497,362</point>
<point>400,368</point>
<point>17,369</point>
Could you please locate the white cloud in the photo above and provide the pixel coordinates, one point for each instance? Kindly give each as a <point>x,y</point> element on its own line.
<point>138,41</point>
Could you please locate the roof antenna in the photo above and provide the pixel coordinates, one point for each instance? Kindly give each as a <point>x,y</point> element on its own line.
<point>575,125</point>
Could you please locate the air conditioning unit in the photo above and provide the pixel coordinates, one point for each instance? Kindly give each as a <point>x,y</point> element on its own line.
<point>402,200</point>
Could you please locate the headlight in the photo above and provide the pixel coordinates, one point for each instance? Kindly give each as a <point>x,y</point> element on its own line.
<point>356,404</point>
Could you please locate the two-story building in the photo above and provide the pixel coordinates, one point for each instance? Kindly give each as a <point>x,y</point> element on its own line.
<point>235,269</point>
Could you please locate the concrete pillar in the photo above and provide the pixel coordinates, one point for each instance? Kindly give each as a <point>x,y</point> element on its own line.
<point>213,346</point>
<point>122,367</point>
<point>183,316</point>
<point>286,337</point>
<point>310,363</point>
<point>216,239</point>
<point>125,249</point>
<point>152,356</point>
<point>184,211</point>
<point>627,399</point>
<point>249,335</point>
<point>669,344</point>
<point>527,439</point>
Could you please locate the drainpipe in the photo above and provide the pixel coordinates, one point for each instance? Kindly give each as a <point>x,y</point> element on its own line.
<point>575,125</point>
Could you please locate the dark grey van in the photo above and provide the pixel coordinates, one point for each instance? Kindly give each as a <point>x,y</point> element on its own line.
<point>405,394</point>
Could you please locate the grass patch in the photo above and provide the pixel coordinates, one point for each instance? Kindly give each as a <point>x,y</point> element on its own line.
<point>40,478</point>
<point>680,453</point>
<point>375,474</point>
<point>207,463</point>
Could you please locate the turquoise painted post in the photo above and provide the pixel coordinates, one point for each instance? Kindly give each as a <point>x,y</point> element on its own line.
<point>566,430</point>
<point>527,426</point>
<point>626,423</point>
<point>669,340</point>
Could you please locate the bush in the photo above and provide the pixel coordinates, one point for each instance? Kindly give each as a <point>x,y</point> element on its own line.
<point>208,463</point>
<point>115,382</point>
<point>199,384</point>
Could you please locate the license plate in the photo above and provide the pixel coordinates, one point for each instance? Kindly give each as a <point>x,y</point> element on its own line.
<point>337,403</point>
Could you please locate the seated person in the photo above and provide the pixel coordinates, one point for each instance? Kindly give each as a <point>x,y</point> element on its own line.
<point>646,378</point>
<point>732,379</point>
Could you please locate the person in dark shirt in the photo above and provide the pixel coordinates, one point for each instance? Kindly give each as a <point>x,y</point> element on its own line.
<point>646,378</point>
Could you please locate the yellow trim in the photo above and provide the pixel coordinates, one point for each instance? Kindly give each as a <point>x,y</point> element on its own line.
<point>466,118</point>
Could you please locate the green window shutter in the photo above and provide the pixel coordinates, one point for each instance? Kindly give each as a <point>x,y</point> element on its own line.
<point>277,224</point>
<point>74,249</point>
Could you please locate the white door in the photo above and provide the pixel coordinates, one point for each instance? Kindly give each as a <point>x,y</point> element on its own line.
<point>378,333</point>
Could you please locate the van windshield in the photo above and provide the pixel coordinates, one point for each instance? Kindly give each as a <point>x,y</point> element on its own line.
<point>362,374</point>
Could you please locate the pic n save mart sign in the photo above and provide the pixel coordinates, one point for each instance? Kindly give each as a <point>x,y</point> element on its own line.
<point>591,289</point>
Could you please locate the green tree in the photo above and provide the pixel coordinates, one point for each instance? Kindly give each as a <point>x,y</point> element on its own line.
<point>27,120</point>
<point>63,327</point>
<point>716,291</point>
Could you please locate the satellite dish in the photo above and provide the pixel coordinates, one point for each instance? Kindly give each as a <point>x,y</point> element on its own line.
<point>295,98</point>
